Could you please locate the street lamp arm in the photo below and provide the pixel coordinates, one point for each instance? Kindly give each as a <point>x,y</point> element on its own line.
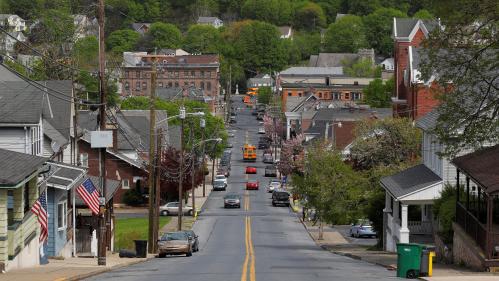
<point>199,113</point>
<point>201,142</point>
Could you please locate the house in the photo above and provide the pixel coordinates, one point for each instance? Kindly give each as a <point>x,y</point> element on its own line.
<point>260,80</point>
<point>12,22</point>
<point>476,227</point>
<point>213,21</point>
<point>199,71</point>
<point>409,33</point>
<point>340,59</point>
<point>141,27</point>
<point>37,118</point>
<point>189,92</point>
<point>173,52</point>
<point>416,188</point>
<point>85,26</point>
<point>126,160</point>
<point>19,228</point>
<point>286,32</point>
<point>388,64</point>
<point>8,42</point>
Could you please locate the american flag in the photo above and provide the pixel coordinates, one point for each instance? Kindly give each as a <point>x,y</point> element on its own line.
<point>40,210</point>
<point>90,195</point>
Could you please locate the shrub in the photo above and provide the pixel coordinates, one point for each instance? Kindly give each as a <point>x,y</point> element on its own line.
<point>132,197</point>
<point>444,209</point>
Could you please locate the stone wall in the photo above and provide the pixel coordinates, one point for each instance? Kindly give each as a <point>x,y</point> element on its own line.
<point>443,252</point>
<point>465,251</point>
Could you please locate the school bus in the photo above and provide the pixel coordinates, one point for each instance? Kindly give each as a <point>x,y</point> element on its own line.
<point>249,152</point>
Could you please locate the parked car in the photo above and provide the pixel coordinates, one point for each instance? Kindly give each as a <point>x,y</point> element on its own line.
<point>267,158</point>
<point>194,240</point>
<point>259,117</point>
<point>261,130</point>
<point>175,243</point>
<point>171,208</point>
<point>232,121</point>
<point>232,200</point>
<point>280,197</point>
<point>263,145</point>
<point>221,177</point>
<point>229,145</point>
<point>252,185</point>
<point>270,171</point>
<point>362,228</point>
<point>224,170</point>
<point>250,170</point>
<point>230,135</point>
<point>273,185</point>
<point>219,185</point>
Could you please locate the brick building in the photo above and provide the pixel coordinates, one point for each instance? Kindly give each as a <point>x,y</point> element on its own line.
<point>199,71</point>
<point>412,97</point>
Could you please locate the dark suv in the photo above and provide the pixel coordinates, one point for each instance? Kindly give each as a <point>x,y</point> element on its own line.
<point>280,197</point>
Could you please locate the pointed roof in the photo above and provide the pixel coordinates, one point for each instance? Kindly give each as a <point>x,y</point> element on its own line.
<point>15,167</point>
<point>404,29</point>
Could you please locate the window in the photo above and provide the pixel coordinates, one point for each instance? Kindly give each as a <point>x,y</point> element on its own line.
<point>127,73</point>
<point>186,73</point>
<point>170,84</point>
<point>127,86</point>
<point>193,73</point>
<point>356,96</point>
<point>144,85</point>
<point>160,84</point>
<point>320,95</point>
<point>201,85</point>
<point>201,74</point>
<point>125,184</point>
<point>137,86</point>
<point>137,74</point>
<point>347,96</point>
<point>186,84</point>
<point>336,96</point>
<point>84,159</point>
<point>62,207</point>
<point>208,86</point>
<point>36,141</point>
<point>177,74</point>
<point>208,74</point>
<point>289,94</point>
<point>299,94</point>
<point>176,84</point>
<point>27,207</point>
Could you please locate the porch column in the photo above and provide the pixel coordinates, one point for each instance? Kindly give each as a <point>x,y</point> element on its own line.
<point>404,230</point>
<point>3,226</point>
<point>19,204</point>
<point>288,128</point>
<point>386,211</point>
<point>490,214</point>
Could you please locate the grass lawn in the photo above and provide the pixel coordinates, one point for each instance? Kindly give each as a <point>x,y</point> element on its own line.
<point>129,229</point>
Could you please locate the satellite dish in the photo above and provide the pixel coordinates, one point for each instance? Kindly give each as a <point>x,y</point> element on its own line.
<point>55,146</point>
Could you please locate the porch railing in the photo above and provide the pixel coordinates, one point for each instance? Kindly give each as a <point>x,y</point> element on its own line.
<point>420,227</point>
<point>472,226</point>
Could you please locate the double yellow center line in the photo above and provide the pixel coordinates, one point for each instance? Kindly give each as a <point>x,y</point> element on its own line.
<point>249,259</point>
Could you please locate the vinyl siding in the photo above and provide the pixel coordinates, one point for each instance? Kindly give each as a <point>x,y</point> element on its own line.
<point>13,139</point>
<point>57,239</point>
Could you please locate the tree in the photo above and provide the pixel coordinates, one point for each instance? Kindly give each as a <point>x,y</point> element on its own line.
<point>85,53</point>
<point>264,95</point>
<point>378,29</point>
<point>328,185</point>
<point>385,142</point>
<point>306,44</point>
<point>204,8</point>
<point>377,94</point>
<point>164,35</point>
<point>423,14</point>
<point>291,158</point>
<point>331,8</point>
<point>361,68</point>
<point>362,7</point>
<point>202,39</point>
<point>123,40</point>
<point>347,35</point>
<point>277,12</point>
<point>465,53</point>
<point>309,16</point>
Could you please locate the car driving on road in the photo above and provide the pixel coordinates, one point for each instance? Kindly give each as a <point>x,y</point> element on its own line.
<point>175,243</point>
<point>221,177</point>
<point>252,185</point>
<point>280,197</point>
<point>362,228</point>
<point>267,158</point>
<point>232,200</point>
<point>171,208</point>
<point>219,185</point>
<point>270,171</point>
<point>273,185</point>
<point>250,170</point>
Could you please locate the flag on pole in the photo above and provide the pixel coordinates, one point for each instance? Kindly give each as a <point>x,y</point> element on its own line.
<point>40,210</point>
<point>90,195</point>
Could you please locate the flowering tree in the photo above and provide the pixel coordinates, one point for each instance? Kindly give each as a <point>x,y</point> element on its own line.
<point>291,159</point>
<point>272,129</point>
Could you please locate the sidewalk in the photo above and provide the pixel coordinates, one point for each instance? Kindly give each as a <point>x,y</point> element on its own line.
<point>337,243</point>
<point>69,269</point>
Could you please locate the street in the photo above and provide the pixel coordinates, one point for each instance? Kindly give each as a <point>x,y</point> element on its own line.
<point>256,242</point>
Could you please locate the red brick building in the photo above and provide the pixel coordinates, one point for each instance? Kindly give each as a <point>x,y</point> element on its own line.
<point>413,97</point>
<point>199,71</point>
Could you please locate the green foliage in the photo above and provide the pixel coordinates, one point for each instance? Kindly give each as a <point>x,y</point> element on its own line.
<point>122,40</point>
<point>309,16</point>
<point>329,185</point>
<point>347,35</point>
<point>278,12</point>
<point>204,8</point>
<point>202,39</point>
<point>306,44</point>
<point>264,95</point>
<point>423,14</point>
<point>362,7</point>
<point>444,208</point>
<point>133,197</point>
<point>378,94</point>
<point>385,142</point>
<point>165,35</point>
<point>361,68</point>
<point>86,53</point>
<point>330,8</point>
<point>378,29</point>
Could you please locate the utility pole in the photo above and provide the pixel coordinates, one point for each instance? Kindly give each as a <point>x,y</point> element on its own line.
<point>181,173</point>
<point>153,232</point>
<point>203,125</point>
<point>229,90</point>
<point>157,192</point>
<point>193,172</point>
<point>101,260</point>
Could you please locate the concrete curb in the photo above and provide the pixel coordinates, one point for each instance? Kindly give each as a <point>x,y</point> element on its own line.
<point>100,271</point>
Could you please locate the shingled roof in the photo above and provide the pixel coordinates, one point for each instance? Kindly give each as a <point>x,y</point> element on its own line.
<point>15,166</point>
<point>409,181</point>
<point>481,167</point>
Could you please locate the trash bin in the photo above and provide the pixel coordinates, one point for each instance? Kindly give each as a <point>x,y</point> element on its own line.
<point>408,260</point>
<point>427,255</point>
<point>141,248</point>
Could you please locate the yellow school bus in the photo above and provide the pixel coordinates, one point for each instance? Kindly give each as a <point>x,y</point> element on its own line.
<point>249,152</point>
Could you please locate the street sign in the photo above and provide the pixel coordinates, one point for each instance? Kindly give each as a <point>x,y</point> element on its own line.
<point>101,139</point>
<point>284,179</point>
<point>102,201</point>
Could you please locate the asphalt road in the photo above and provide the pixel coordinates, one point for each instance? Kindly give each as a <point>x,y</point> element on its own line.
<point>256,242</point>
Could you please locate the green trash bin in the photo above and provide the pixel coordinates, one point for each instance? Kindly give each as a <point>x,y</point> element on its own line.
<point>408,260</point>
